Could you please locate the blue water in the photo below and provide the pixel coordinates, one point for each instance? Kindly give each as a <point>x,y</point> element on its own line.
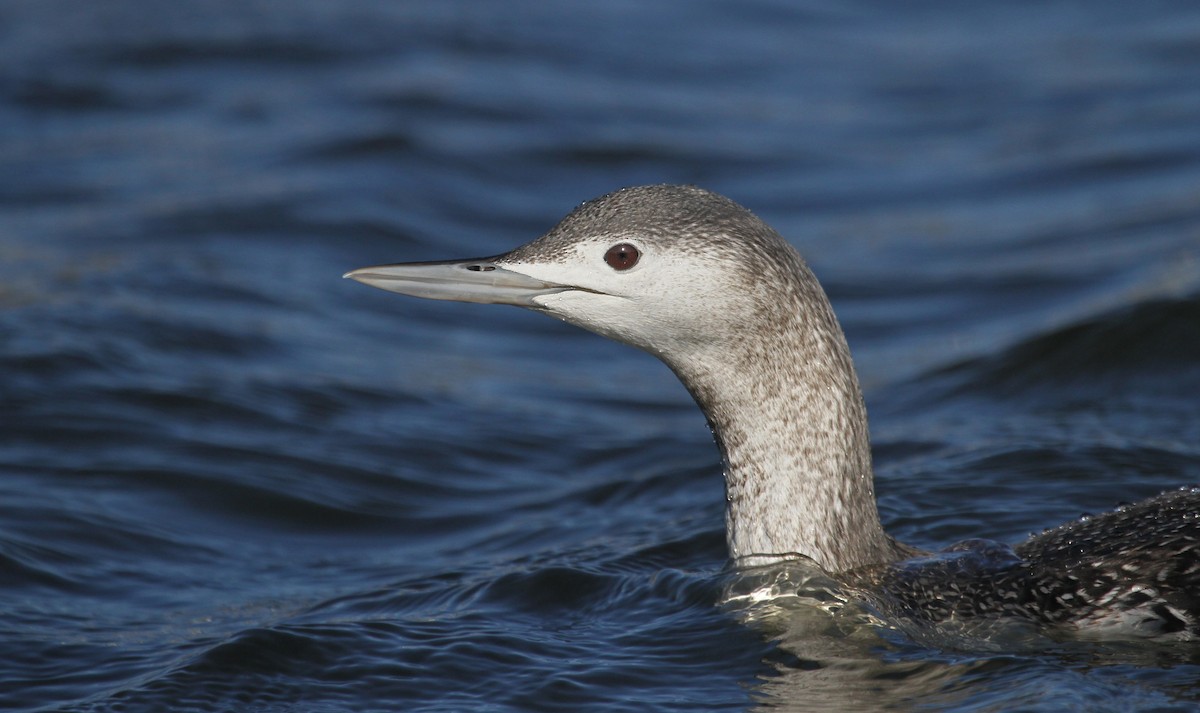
<point>230,480</point>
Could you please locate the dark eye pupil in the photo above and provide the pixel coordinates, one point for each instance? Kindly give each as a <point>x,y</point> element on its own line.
<point>622,257</point>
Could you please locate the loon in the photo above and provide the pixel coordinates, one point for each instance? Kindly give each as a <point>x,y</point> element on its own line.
<point>703,284</point>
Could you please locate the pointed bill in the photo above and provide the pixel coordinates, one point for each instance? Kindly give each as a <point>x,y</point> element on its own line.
<point>478,280</point>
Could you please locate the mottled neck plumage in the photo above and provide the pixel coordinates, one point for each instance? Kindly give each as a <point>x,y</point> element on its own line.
<point>787,412</point>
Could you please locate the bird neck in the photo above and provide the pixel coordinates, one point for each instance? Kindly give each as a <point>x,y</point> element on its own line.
<point>789,418</point>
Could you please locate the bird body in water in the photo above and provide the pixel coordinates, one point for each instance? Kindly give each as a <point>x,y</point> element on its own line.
<point>707,287</point>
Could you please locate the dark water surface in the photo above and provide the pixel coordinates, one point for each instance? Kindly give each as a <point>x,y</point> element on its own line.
<point>230,480</point>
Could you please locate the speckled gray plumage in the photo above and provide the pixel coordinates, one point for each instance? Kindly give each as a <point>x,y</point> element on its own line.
<point>1132,572</point>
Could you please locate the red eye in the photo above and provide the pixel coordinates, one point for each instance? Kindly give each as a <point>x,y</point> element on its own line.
<point>622,256</point>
